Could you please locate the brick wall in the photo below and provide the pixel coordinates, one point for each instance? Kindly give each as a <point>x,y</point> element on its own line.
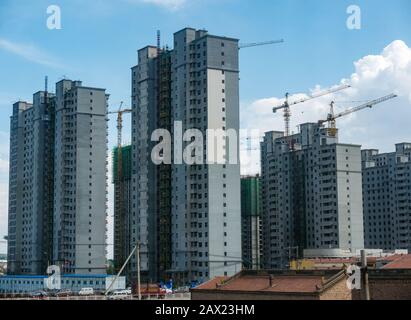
<point>339,291</point>
<point>387,289</point>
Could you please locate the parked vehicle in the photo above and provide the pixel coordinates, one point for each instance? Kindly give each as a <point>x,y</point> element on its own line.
<point>150,290</point>
<point>119,295</point>
<point>52,293</point>
<point>64,293</point>
<point>86,292</point>
<point>99,292</point>
<point>185,289</point>
<point>39,294</point>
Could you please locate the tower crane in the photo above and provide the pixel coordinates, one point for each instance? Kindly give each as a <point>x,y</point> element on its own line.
<point>332,117</point>
<point>120,212</point>
<point>286,106</point>
<point>258,44</point>
<point>120,114</point>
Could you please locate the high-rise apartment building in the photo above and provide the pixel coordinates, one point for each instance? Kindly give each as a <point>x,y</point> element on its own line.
<point>187,216</point>
<point>311,194</point>
<point>80,170</point>
<point>251,222</point>
<point>57,205</point>
<point>31,185</point>
<point>151,199</point>
<point>387,198</point>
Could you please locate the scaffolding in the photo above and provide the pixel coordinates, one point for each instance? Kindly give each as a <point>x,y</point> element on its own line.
<point>48,199</point>
<point>122,225</point>
<point>164,170</point>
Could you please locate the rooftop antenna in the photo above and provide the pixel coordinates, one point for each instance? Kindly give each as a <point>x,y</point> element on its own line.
<point>46,89</point>
<point>158,42</point>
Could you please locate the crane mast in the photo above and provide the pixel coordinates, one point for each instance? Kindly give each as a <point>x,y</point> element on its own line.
<point>286,106</point>
<point>120,210</point>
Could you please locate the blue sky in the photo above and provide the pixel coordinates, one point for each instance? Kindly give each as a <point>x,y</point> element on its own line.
<point>99,40</point>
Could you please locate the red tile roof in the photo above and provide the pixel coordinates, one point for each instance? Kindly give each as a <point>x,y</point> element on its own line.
<point>269,284</point>
<point>402,262</point>
<point>212,284</point>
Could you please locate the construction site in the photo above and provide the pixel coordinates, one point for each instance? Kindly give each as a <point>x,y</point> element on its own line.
<point>201,226</point>
<point>155,250</point>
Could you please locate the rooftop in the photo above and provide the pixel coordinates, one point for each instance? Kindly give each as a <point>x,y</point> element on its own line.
<point>399,262</point>
<point>274,282</point>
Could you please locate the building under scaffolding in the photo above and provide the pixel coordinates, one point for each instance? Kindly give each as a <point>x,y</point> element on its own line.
<point>251,232</point>
<point>122,208</point>
<point>188,217</point>
<point>164,170</point>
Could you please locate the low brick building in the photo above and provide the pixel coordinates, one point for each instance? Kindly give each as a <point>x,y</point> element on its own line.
<point>274,285</point>
<point>388,284</point>
<point>385,284</point>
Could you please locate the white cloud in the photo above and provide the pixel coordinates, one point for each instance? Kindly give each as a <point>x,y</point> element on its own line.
<point>4,166</point>
<point>168,4</point>
<point>375,76</point>
<point>30,53</point>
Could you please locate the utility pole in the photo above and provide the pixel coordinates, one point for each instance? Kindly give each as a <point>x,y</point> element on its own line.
<point>364,271</point>
<point>136,248</point>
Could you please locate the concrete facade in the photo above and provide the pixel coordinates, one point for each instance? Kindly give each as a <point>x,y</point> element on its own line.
<point>31,180</point>
<point>80,193</point>
<point>144,175</point>
<point>311,194</point>
<point>17,128</point>
<point>387,198</point>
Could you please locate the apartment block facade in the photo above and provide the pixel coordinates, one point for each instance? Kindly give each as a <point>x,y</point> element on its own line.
<point>31,184</point>
<point>387,198</point>
<point>311,194</point>
<point>192,211</point>
<point>57,205</point>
